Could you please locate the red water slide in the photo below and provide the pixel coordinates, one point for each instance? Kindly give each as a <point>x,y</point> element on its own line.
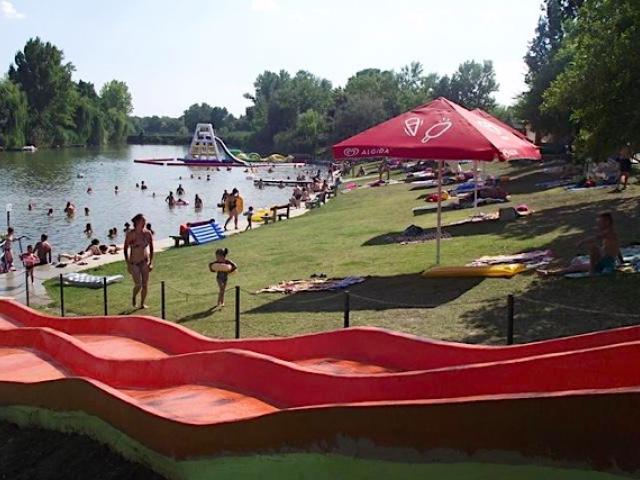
<point>187,396</point>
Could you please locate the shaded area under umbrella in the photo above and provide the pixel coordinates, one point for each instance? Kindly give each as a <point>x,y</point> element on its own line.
<point>439,130</point>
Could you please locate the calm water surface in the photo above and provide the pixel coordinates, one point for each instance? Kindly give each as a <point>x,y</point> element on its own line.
<point>50,178</point>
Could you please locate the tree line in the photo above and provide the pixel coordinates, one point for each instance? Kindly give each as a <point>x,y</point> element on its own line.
<point>582,89</point>
<point>583,75</point>
<point>41,105</point>
<point>305,113</point>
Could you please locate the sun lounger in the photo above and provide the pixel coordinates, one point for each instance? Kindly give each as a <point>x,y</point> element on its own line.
<point>88,281</point>
<point>205,232</point>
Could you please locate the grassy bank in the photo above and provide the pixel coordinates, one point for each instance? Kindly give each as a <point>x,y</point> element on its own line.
<point>347,237</point>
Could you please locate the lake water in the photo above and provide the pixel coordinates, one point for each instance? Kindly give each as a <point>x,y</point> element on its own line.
<point>50,178</point>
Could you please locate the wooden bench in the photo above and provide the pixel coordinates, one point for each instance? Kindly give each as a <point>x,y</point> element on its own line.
<point>280,216</point>
<point>179,238</point>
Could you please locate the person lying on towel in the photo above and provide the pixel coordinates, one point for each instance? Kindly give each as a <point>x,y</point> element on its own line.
<point>604,251</point>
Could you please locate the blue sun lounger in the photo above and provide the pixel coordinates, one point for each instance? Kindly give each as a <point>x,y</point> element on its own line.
<point>205,232</point>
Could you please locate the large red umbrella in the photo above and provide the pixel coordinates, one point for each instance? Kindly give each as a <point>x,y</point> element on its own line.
<point>439,130</point>
<point>500,123</point>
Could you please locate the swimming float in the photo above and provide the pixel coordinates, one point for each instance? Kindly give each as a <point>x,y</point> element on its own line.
<point>492,271</point>
<point>221,267</point>
<point>258,215</point>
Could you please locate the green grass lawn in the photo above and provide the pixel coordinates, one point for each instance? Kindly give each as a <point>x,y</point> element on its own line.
<point>346,237</point>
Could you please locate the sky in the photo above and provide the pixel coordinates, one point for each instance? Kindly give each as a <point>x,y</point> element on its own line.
<point>176,53</point>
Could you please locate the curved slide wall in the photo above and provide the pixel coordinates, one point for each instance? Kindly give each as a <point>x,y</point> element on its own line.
<point>358,350</point>
<point>572,400</point>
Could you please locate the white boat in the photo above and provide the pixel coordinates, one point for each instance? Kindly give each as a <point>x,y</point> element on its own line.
<point>29,148</point>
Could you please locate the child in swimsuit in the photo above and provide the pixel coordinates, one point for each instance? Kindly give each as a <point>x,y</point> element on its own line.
<point>29,260</point>
<point>222,277</point>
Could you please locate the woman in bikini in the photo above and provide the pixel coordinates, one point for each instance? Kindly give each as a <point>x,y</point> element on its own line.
<point>138,253</point>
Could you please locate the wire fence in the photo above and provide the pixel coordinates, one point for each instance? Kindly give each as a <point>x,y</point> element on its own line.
<point>513,316</point>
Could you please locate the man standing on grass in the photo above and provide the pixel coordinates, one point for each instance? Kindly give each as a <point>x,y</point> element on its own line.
<point>624,162</point>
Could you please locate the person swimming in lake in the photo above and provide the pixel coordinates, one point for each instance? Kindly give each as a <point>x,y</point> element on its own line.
<point>604,251</point>
<point>88,230</point>
<point>116,189</point>
<point>86,211</point>
<point>198,203</point>
<point>50,212</point>
<point>143,186</point>
<point>70,209</point>
<point>171,200</point>
<point>180,190</point>
<point>222,277</point>
<point>150,228</point>
<point>127,227</point>
<point>138,254</point>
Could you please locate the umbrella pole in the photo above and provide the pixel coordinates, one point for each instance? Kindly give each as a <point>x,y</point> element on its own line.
<point>475,186</point>
<point>439,221</point>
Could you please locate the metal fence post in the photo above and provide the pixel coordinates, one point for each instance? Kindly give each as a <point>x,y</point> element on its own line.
<point>347,309</point>
<point>237,311</point>
<point>162,302</point>
<point>26,286</point>
<point>510,316</point>
<point>61,285</point>
<point>104,295</point>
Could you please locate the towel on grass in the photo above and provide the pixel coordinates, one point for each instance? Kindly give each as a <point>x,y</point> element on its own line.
<point>312,285</point>
<point>531,260</point>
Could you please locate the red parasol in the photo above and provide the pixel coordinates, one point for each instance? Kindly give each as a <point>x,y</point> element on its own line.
<point>500,123</point>
<point>439,130</point>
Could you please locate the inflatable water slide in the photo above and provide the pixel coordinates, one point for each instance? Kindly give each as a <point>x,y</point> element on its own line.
<point>366,401</point>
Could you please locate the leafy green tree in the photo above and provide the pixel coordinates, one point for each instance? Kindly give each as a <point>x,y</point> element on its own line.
<point>355,113</point>
<point>471,86</point>
<point>309,132</point>
<point>44,78</point>
<point>415,88</point>
<point>544,64</point>
<point>382,84</point>
<point>600,85</point>
<point>204,113</point>
<point>278,101</point>
<point>13,115</point>
<point>115,95</point>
